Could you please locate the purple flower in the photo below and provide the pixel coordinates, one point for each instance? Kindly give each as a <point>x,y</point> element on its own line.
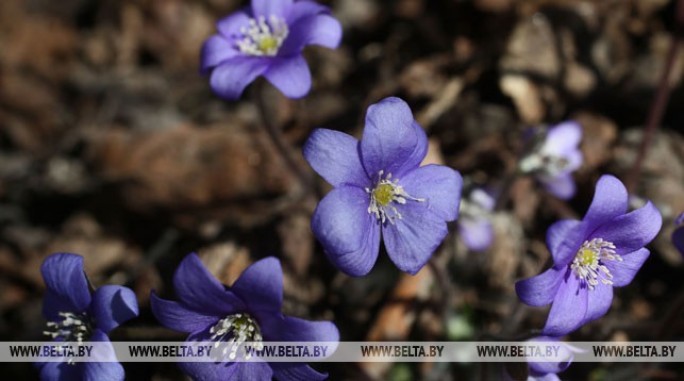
<point>474,222</point>
<point>591,256</point>
<point>77,315</point>
<point>267,38</point>
<point>554,159</point>
<point>678,233</point>
<point>548,370</point>
<point>249,311</point>
<point>380,189</point>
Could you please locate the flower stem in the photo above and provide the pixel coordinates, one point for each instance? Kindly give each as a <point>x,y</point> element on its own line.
<point>672,316</point>
<point>444,284</point>
<point>658,106</point>
<point>276,136</point>
<point>505,191</point>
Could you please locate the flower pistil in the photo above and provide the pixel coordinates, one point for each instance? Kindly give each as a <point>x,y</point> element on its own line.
<point>384,194</point>
<point>263,37</point>
<point>72,327</point>
<point>240,328</point>
<point>545,163</point>
<point>588,264</point>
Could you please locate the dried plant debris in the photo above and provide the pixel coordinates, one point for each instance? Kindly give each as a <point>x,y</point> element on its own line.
<point>117,143</point>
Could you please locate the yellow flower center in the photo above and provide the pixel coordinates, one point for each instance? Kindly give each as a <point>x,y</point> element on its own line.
<point>384,195</point>
<point>268,43</point>
<point>589,263</point>
<point>587,257</point>
<point>263,37</point>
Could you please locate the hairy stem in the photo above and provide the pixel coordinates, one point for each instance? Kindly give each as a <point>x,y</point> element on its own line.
<point>275,134</point>
<point>656,112</point>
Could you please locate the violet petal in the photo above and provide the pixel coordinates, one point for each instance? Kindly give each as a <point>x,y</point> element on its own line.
<point>175,316</point>
<point>392,142</point>
<point>561,186</point>
<point>598,302</point>
<point>632,231</point>
<point>231,77</point>
<point>103,371</point>
<point>334,155</point>
<point>623,272</point>
<point>477,235</point>
<point>267,8</point>
<point>564,238</point>
<point>66,283</point>
<point>198,290</point>
<point>540,290</point>
<point>290,75</point>
<point>610,201</point>
<point>411,240</point>
<point>439,186</point>
<point>113,305</point>
<point>569,307</point>
<point>260,286</point>
<point>349,234</point>
<point>322,30</point>
<point>231,25</point>
<point>215,51</point>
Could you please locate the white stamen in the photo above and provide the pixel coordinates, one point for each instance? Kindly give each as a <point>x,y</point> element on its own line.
<point>238,328</point>
<point>385,193</point>
<point>72,328</point>
<point>544,163</point>
<point>589,263</point>
<point>263,37</point>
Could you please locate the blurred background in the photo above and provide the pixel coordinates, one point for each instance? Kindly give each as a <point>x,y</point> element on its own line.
<point>113,146</point>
